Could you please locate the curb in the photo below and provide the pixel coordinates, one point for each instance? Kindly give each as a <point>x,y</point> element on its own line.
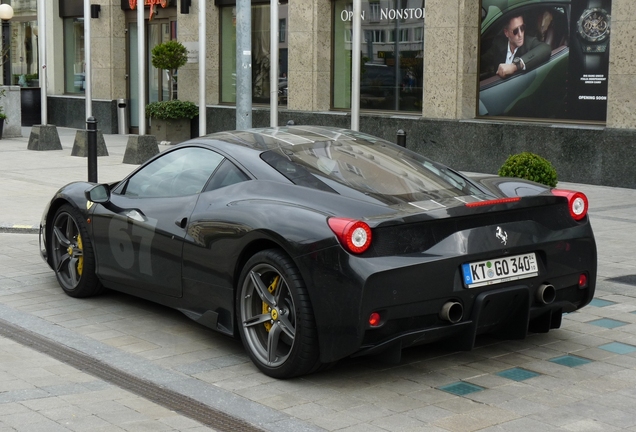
<point>19,229</point>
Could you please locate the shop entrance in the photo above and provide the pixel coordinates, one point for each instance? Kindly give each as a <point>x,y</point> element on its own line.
<point>158,30</point>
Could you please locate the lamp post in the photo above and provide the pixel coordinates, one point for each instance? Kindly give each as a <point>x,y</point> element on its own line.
<point>6,13</point>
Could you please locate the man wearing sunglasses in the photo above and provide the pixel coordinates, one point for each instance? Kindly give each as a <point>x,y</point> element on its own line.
<point>518,52</point>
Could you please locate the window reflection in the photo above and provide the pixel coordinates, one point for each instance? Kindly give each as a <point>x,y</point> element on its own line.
<point>261,50</point>
<point>24,43</point>
<point>74,60</point>
<point>391,75</point>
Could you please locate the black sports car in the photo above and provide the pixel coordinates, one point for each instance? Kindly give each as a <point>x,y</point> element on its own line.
<point>313,244</point>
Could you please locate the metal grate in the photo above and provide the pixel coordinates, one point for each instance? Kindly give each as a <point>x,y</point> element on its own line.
<point>169,399</point>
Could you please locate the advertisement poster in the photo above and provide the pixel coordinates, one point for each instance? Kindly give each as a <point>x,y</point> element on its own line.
<point>544,59</point>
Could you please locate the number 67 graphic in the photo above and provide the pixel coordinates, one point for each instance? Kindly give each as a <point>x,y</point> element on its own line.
<point>121,241</point>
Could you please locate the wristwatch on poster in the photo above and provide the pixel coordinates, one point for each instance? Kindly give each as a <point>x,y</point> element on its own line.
<point>593,28</point>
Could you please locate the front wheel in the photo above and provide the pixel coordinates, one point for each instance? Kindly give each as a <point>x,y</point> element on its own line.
<point>276,318</point>
<point>73,258</point>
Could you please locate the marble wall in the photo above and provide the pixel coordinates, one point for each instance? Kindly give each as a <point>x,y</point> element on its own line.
<point>309,76</point>
<point>189,74</point>
<point>621,103</point>
<point>108,51</point>
<point>442,83</point>
<point>69,111</point>
<point>10,103</point>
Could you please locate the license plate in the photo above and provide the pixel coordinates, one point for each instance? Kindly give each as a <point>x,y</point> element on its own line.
<point>500,270</point>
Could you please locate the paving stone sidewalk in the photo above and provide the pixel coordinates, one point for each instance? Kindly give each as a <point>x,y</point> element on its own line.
<point>581,377</point>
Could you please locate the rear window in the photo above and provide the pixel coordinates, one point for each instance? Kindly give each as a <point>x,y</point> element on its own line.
<point>368,166</point>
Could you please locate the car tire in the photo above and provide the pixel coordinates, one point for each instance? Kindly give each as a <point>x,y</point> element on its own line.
<point>276,320</point>
<point>72,252</point>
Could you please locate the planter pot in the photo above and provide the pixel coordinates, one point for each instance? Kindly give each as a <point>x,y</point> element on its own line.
<point>1,127</point>
<point>174,131</point>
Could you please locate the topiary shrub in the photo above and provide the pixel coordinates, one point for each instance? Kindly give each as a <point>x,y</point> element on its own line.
<point>172,110</point>
<point>529,166</point>
<point>169,55</point>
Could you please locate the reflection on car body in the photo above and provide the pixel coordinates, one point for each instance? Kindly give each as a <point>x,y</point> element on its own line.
<point>282,91</point>
<point>312,244</point>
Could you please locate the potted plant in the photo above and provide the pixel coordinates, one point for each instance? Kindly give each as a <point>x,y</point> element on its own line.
<point>170,120</point>
<point>529,166</point>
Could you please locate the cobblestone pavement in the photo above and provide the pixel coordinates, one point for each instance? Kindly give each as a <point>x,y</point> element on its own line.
<point>581,377</point>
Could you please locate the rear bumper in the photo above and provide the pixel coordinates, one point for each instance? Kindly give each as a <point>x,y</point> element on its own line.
<point>410,291</point>
<point>506,312</point>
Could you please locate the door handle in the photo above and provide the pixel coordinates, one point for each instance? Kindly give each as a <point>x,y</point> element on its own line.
<point>182,222</point>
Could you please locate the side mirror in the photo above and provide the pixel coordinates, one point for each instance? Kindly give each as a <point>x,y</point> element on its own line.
<point>98,194</point>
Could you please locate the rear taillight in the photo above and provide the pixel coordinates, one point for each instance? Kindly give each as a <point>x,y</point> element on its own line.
<point>577,202</point>
<point>354,235</point>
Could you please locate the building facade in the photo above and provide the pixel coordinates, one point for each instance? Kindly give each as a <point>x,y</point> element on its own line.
<point>425,69</point>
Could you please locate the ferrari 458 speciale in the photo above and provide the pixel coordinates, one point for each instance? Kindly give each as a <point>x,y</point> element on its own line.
<point>313,244</point>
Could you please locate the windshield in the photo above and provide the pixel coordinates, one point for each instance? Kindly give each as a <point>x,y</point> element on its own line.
<point>368,166</point>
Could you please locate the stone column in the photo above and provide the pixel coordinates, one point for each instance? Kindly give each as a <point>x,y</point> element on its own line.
<point>55,66</point>
<point>188,32</point>
<point>108,51</point>
<point>309,76</point>
<point>621,100</point>
<point>468,61</point>
<point>441,57</point>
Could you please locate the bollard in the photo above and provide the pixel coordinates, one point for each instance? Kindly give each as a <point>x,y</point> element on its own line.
<point>122,117</point>
<point>401,138</point>
<point>91,143</point>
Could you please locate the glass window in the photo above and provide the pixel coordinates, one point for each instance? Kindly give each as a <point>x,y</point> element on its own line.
<point>226,175</point>
<point>260,54</point>
<point>24,53</point>
<point>348,35</point>
<point>177,173</point>
<point>392,55</point>
<point>375,10</point>
<point>374,36</point>
<point>403,33</point>
<point>158,84</point>
<point>418,34</point>
<point>23,30</point>
<point>282,29</point>
<point>74,61</point>
<point>365,166</point>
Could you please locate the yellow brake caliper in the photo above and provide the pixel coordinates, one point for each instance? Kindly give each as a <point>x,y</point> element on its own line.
<point>80,261</point>
<point>271,288</point>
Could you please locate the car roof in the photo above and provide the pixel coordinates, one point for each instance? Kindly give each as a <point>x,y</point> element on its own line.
<point>244,147</point>
<point>264,139</point>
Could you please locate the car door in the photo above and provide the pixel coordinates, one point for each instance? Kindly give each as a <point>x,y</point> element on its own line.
<point>139,233</point>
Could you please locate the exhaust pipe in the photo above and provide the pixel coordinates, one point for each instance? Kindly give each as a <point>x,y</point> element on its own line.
<point>452,312</point>
<point>546,293</point>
